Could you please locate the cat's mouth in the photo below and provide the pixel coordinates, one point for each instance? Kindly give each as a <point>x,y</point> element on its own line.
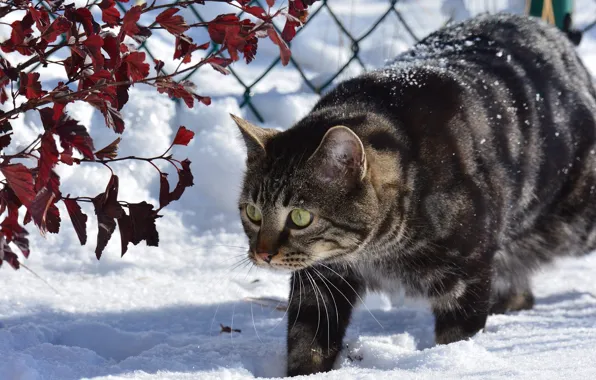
<point>293,261</point>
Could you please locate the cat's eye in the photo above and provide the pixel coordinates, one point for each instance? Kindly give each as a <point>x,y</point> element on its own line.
<point>300,218</point>
<point>253,213</point>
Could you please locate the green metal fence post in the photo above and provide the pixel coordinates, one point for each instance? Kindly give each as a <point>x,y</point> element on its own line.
<point>552,9</point>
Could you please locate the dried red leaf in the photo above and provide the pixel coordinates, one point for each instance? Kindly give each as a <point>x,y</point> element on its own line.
<point>107,210</point>
<point>31,86</point>
<point>78,219</point>
<point>183,136</point>
<point>110,151</point>
<point>222,25</point>
<point>270,3</point>
<point>125,227</point>
<point>173,24</point>
<point>284,51</point>
<point>111,206</point>
<point>106,225</point>
<point>203,99</point>
<point>138,69</point>
<point>164,190</point>
<point>143,224</point>
<point>20,180</point>
<point>185,179</point>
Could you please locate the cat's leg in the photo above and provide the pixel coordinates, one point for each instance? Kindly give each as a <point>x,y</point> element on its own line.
<point>511,289</point>
<point>461,311</point>
<point>319,310</point>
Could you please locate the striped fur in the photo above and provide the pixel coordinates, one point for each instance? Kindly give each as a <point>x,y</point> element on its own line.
<point>472,164</point>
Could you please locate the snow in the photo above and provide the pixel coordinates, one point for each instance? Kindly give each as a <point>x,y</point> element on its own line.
<point>156,312</point>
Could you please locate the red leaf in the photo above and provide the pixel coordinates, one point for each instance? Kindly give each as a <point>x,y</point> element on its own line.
<point>296,16</point>
<point>94,44</point>
<point>222,25</point>
<point>173,24</point>
<point>112,46</point>
<point>109,13</point>
<point>220,64</point>
<point>284,51</point>
<point>73,134</point>
<point>164,190</point>
<point>5,141</point>
<point>111,205</point>
<point>143,224</point>
<point>158,65</point>
<point>183,136</point>
<point>137,68</point>
<point>58,110</point>
<point>203,99</point>
<point>20,180</point>
<point>256,11</point>
<point>84,17</point>
<point>180,90</point>
<point>185,179</point>
<point>78,218</point>
<point>107,210</point>
<point>129,23</point>
<point>6,254</point>
<point>21,32</point>
<point>106,226</point>
<point>44,212</point>
<point>59,26</point>
<point>48,158</point>
<point>185,48</point>
<point>30,85</point>
<point>125,227</point>
<point>108,152</point>
<point>41,18</point>
<point>112,117</point>
<point>270,3</point>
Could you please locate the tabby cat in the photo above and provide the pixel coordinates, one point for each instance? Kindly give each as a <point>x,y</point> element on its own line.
<point>453,173</point>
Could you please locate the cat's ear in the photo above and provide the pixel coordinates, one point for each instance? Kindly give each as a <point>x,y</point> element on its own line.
<point>254,137</point>
<point>340,157</point>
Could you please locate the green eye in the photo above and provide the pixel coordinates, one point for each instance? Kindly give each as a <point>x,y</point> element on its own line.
<point>253,213</point>
<point>300,217</point>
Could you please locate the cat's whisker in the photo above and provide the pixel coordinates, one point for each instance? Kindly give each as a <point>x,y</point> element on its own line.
<point>357,295</point>
<point>289,302</point>
<point>323,301</point>
<point>254,324</point>
<point>299,300</point>
<point>308,277</point>
<point>322,277</point>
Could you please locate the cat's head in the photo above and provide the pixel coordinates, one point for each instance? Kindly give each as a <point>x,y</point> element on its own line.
<point>306,196</point>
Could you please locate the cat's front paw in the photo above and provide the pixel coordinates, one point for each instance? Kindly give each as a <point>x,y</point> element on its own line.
<point>313,360</point>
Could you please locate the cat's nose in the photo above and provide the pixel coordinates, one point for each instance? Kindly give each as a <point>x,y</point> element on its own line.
<point>266,256</point>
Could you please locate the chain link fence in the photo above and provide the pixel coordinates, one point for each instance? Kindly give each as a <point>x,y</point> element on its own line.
<point>396,21</point>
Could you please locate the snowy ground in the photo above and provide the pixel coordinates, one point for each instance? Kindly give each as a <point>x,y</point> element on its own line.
<point>156,313</point>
